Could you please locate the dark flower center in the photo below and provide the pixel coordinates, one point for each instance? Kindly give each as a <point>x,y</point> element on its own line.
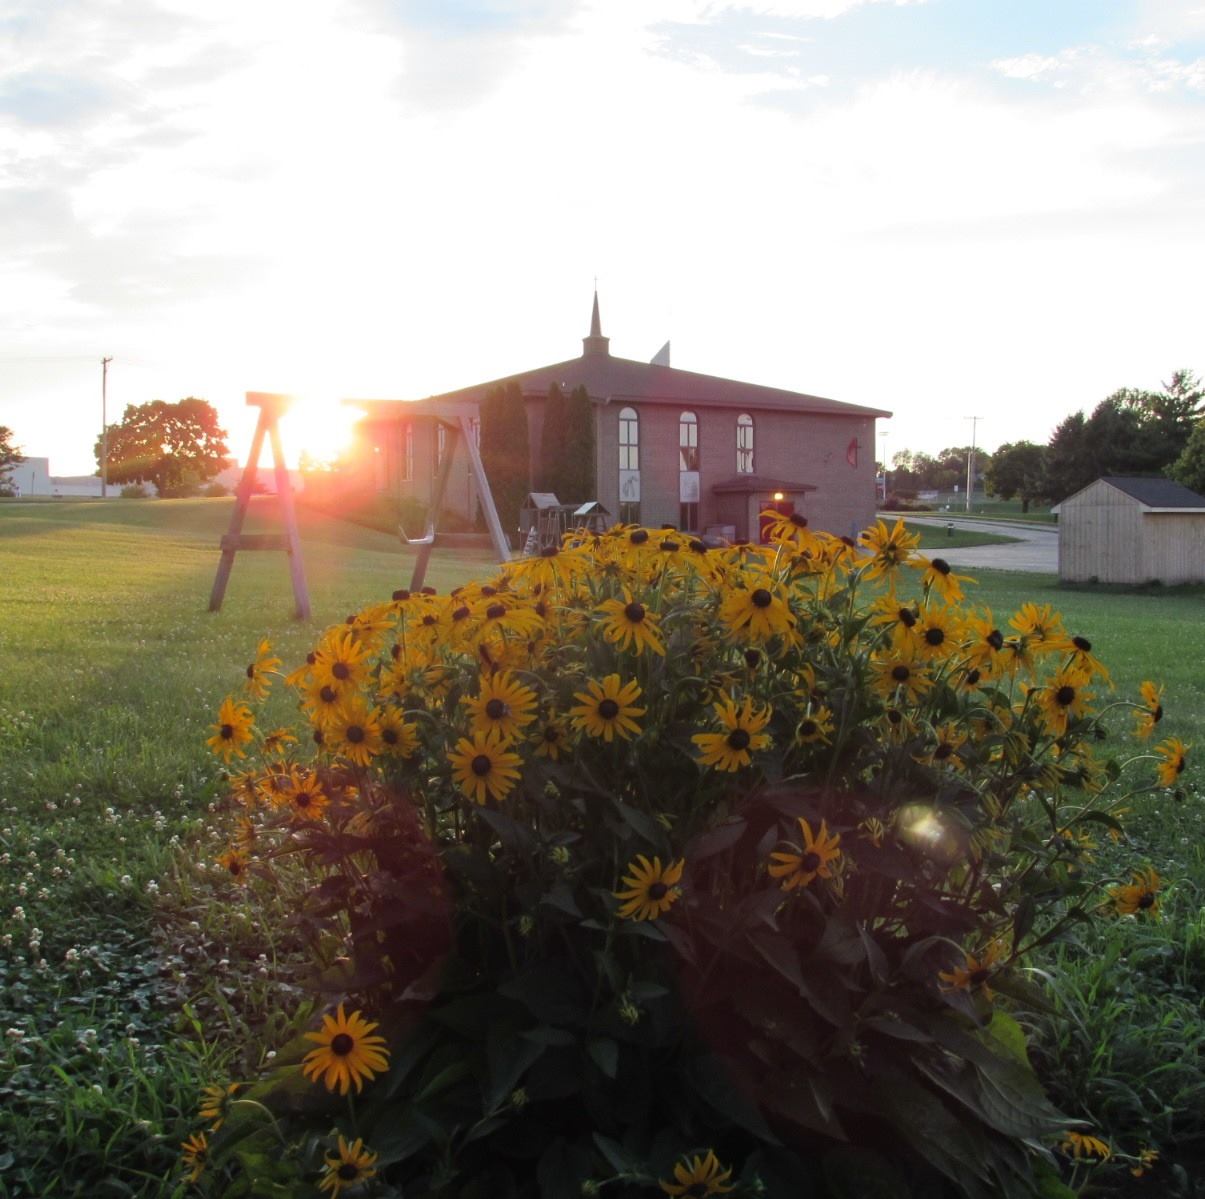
<point>738,739</point>
<point>901,673</point>
<point>634,612</point>
<point>697,547</point>
<point>348,1172</point>
<point>487,591</point>
<point>978,977</point>
<point>670,547</point>
<point>943,751</point>
<point>355,734</point>
<point>328,695</point>
<point>658,891</point>
<point>460,613</point>
<point>696,1190</point>
<point>639,537</point>
<point>810,861</point>
<point>941,566</point>
<point>541,609</point>
<point>752,658</point>
<point>808,728</point>
<point>798,520</point>
<point>972,677</point>
<point>1064,696</point>
<point>389,736</point>
<point>251,671</point>
<point>849,541</point>
<point>481,765</point>
<point>495,611</point>
<point>549,551</point>
<point>995,639</point>
<point>341,670</point>
<point>496,709</point>
<point>894,716</point>
<point>302,799</point>
<point>1157,714</point>
<point>1082,643</point>
<point>552,734</point>
<point>235,867</point>
<point>429,620</point>
<point>395,651</point>
<point>319,737</point>
<point>934,636</point>
<point>226,732</point>
<point>1147,900</point>
<point>428,591</point>
<point>907,617</point>
<point>608,709</point>
<point>761,598</point>
<point>342,1044</point>
<point>401,594</point>
<point>310,659</point>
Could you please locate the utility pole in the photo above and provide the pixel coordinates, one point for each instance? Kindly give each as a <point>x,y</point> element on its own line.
<point>104,428</point>
<point>971,457</point>
<point>883,453</point>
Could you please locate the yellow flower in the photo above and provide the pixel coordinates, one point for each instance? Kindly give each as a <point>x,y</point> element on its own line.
<point>1080,1145</point>
<point>939,578</point>
<point>258,683</point>
<point>790,530</point>
<point>731,749</point>
<point>1146,1159</point>
<point>347,1054</point>
<point>232,731</point>
<point>235,862</point>
<point>698,1176</point>
<point>1142,895</point>
<point>342,661</point>
<point>303,794</point>
<point>353,731</point>
<point>1149,715</point>
<point>1040,625</point>
<point>351,1165</point>
<point>194,1154</point>
<point>888,550</point>
<point>1081,659</point>
<point>1173,755</point>
<point>901,618</point>
<point>949,739</point>
<point>900,675</point>
<point>630,625</point>
<point>550,740</point>
<point>974,973</point>
<point>814,727</point>
<point>758,610</point>
<point>278,741</point>
<point>398,736</point>
<point>483,767</point>
<point>1062,698</point>
<point>798,869</point>
<point>607,708</point>
<point>651,889</point>
<point>215,1101</point>
<point>502,705</point>
<point>937,633</point>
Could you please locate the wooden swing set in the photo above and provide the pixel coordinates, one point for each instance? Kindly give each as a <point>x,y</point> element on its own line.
<point>455,419</point>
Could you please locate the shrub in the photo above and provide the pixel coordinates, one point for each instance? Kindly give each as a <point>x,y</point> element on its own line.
<point>215,491</point>
<point>134,491</point>
<point>654,864</point>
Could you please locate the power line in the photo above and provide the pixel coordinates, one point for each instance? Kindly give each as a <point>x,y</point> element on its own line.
<point>971,456</point>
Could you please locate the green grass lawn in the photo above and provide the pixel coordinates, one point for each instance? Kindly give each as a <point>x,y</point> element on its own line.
<point>932,539</point>
<point>113,673</point>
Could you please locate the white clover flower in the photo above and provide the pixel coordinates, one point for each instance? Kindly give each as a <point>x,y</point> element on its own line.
<point>19,915</point>
<point>126,880</point>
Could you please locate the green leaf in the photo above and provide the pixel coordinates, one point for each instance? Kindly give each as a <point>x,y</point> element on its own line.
<point>448,1076</point>
<point>605,1054</point>
<point>861,1173</point>
<point>509,1058</point>
<point>560,896</point>
<point>1008,1037</point>
<point>1023,918</point>
<point>618,1158</point>
<point>716,840</point>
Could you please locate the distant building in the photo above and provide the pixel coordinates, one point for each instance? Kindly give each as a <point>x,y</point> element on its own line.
<point>30,477</point>
<point>672,446</point>
<point>1132,530</point>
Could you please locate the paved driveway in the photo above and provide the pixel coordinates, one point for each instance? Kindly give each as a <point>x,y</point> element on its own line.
<point>1035,551</point>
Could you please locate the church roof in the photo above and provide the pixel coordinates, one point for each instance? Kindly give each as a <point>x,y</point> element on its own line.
<point>611,380</point>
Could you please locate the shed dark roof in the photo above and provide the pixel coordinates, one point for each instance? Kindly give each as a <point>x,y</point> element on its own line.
<point>1156,493</point>
<point>747,484</point>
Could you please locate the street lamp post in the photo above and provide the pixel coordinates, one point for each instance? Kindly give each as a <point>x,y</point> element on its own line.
<point>104,428</point>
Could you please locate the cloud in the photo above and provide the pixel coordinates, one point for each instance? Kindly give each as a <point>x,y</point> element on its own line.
<point>1095,69</point>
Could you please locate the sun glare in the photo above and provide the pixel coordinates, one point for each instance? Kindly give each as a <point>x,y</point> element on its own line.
<point>319,427</point>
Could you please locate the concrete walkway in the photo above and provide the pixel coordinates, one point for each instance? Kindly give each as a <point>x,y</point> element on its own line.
<point>1036,549</point>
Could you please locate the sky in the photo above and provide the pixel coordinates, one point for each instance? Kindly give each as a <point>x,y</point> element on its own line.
<point>944,208</point>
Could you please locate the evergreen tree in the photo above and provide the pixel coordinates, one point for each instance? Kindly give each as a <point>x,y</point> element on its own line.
<point>1189,468</point>
<point>505,453</point>
<point>577,457</point>
<point>554,439</point>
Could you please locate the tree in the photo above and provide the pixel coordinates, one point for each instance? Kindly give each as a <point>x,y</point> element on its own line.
<point>504,451</point>
<point>553,441</point>
<point>10,456</point>
<point>1189,468</point>
<point>169,445</point>
<point>1019,469</point>
<point>566,463</point>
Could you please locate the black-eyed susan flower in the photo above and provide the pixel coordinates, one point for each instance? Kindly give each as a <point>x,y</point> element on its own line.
<point>551,739</point>
<point>215,1102</point>
<point>741,737</point>
<point>698,1176</point>
<point>890,612</point>
<point>938,578</point>
<point>194,1155</point>
<point>815,726</point>
<point>232,730</point>
<point>347,1054</point>
<point>235,862</point>
<point>1147,1157</point>
<point>1173,758</point>
<point>1080,658</point>
<point>342,661</point>
<point>502,706</point>
<point>353,731</point>
<point>398,735</point>
<point>799,866</point>
<point>1151,712</point>
<point>1139,896</point>
<point>889,549</point>
<point>973,975</point>
<point>981,644</point>
<point>1063,698</point>
<point>303,795</point>
<point>757,611</point>
<point>1081,1145</point>
<point>321,701</point>
<point>607,708</point>
<point>630,625</point>
<point>484,768</point>
<point>277,741</point>
<point>948,739</point>
<point>259,672</point>
<point>787,529</point>
<point>938,632</point>
<point>900,675</point>
<point>1040,625</point>
<point>349,1166</point>
<point>650,889</point>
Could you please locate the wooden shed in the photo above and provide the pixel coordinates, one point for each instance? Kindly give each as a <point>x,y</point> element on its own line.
<point>1128,530</point>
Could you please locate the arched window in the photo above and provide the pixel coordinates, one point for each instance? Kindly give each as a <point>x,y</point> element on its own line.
<point>688,471</point>
<point>629,466</point>
<point>744,444</point>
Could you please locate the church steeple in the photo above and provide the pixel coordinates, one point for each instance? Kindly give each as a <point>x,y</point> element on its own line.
<point>596,343</point>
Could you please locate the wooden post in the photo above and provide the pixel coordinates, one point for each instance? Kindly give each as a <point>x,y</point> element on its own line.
<point>271,407</point>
